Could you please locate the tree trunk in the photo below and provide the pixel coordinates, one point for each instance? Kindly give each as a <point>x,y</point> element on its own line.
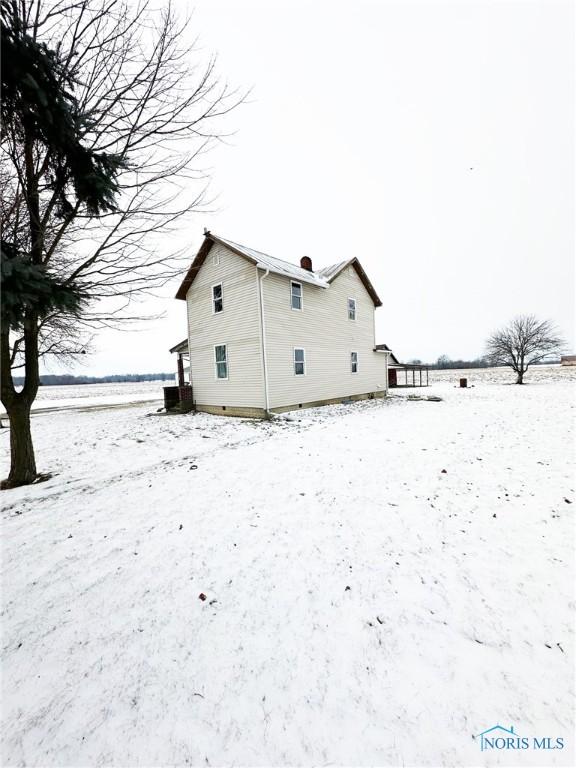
<point>18,404</point>
<point>22,460</point>
<point>519,377</point>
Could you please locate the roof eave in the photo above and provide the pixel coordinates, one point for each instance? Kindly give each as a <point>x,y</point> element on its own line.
<point>199,259</point>
<point>181,347</point>
<point>363,277</point>
<point>367,284</point>
<point>294,278</point>
<point>210,239</point>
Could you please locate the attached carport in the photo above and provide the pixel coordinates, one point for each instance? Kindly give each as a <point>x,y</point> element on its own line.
<point>403,374</point>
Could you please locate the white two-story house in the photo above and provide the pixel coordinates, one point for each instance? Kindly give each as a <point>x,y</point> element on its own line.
<point>266,336</point>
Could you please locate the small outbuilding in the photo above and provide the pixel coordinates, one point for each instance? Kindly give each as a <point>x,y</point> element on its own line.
<point>404,374</point>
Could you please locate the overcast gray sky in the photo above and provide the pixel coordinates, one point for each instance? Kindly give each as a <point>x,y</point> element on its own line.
<point>432,140</point>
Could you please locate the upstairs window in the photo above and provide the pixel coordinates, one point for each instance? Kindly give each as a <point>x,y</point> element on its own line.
<point>354,362</point>
<point>351,309</point>
<point>217,298</point>
<point>299,361</point>
<point>295,295</point>
<point>221,361</point>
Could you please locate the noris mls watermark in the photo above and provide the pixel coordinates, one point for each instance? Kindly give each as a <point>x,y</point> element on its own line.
<point>498,738</point>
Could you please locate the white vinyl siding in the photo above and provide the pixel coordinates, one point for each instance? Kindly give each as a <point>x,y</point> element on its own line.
<point>221,361</point>
<point>299,361</point>
<point>217,297</point>
<point>238,327</point>
<point>295,295</point>
<point>328,337</point>
<point>323,331</point>
<point>353,362</point>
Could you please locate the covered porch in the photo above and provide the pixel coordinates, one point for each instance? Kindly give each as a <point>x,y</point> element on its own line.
<point>179,398</point>
<point>403,374</point>
<point>406,375</point>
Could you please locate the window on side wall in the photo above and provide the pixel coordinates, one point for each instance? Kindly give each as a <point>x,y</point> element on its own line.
<point>295,295</point>
<point>217,298</point>
<point>221,361</point>
<point>351,309</point>
<point>354,362</point>
<point>299,361</point>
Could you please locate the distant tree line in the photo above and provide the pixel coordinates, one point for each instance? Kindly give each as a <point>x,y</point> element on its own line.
<point>59,379</point>
<point>444,362</point>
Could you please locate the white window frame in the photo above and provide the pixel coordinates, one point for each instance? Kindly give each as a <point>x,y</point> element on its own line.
<point>219,362</point>
<point>216,285</point>
<point>355,310</point>
<point>301,307</point>
<point>299,362</point>
<point>353,362</point>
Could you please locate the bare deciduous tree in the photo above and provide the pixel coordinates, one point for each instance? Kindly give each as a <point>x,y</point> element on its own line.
<point>144,97</point>
<point>526,340</point>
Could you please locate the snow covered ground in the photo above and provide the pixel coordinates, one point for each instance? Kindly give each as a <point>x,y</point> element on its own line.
<point>94,395</point>
<point>383,580</point>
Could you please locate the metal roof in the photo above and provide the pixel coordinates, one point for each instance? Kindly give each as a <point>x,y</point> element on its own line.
<point>278,266</point>
<point>320,278</point>
<point>330,272</point>
<point>180,347</point>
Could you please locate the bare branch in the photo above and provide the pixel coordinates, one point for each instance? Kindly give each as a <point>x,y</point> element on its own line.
<point>523,342</point>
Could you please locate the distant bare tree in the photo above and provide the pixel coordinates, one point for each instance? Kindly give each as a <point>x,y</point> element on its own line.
<point>524,341</point>
<point>147,108</point>
<point>443,362</point>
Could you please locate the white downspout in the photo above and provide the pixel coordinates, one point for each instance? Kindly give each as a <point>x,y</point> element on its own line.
<point>263,337</point>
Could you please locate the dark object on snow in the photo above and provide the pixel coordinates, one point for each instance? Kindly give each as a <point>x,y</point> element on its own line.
<point>347,589</point>
<point>179,399</point>
<point>443,472</point>
<point>171,399</point>
<point>463,383</point>
<point>567,501</point>
<point>202,596</point>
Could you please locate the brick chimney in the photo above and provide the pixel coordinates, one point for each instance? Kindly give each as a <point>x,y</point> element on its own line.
<point>306,263</point>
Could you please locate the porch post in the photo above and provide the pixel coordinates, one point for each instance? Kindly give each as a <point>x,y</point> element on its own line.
<point>180,371</point>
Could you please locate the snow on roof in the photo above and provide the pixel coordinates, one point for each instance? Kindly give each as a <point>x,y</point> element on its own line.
<point>321,278</point>
<point>278,266</point>
<point>182,346</point>
<point>329,272</point>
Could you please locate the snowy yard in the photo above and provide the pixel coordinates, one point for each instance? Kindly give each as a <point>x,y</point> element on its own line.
<point>383,580</point>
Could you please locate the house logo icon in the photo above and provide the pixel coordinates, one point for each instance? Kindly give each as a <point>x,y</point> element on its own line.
<point>500,738</point>
<point>505,736</point>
